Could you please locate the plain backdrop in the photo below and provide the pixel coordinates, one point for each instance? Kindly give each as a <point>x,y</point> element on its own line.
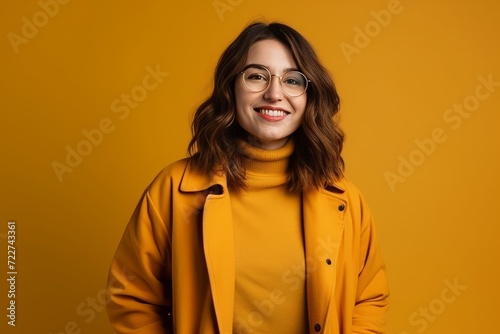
<point>97,97</point>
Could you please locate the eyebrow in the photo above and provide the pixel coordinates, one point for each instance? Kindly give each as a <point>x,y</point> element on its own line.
<point>288,69</point>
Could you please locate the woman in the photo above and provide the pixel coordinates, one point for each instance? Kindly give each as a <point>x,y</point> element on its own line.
<point>258,231</point>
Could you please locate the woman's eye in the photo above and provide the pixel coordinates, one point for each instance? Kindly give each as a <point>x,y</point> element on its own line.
<point>257,76</point>
<point>292,82</point>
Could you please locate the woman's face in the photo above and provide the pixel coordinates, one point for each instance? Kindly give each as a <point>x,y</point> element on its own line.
<point>269,116</point>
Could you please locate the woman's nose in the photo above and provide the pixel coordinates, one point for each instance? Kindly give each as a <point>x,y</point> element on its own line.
<point>274,91</point>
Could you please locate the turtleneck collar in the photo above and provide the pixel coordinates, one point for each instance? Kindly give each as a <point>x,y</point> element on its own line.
<point>266,168</point>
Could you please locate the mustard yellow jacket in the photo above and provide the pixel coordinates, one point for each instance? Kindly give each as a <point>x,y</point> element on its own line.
<point>174,267</point>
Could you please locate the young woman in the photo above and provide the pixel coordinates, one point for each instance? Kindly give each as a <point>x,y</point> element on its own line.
<point>257,231</point>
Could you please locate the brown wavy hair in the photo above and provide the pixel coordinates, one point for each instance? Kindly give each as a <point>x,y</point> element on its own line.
<point>316,160</point>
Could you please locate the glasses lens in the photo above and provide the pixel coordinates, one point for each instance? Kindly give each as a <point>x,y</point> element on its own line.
<point>256,78</point>
<point>294,83</point>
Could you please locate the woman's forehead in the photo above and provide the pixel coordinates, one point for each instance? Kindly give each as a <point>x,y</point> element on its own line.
<point>272,54</point>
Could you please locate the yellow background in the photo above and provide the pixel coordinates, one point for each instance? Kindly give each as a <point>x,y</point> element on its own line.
<point>440,226</point>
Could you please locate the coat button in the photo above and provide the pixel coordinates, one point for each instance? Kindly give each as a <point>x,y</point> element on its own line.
<point>341,207</point>
<point>317,327</point>
<point>328,261</point>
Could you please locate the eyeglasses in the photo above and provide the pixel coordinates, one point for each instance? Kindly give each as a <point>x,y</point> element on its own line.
<point>258,78</point>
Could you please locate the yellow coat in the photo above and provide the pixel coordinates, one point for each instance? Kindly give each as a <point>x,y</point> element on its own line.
<point>175,262</point>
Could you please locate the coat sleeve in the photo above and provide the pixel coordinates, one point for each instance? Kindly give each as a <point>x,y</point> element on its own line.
<point>372,296</point>
<point>139,284</point>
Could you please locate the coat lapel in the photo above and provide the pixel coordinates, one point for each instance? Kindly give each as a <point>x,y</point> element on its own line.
<point>218,242</point>
<point>323,227</point>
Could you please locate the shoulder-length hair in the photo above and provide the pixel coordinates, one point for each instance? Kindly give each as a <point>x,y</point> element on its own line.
<point>316,160</point>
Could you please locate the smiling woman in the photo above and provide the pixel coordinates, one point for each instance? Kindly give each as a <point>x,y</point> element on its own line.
<point>264,108</point>
<point>318,139</point>
<point>257,231</point>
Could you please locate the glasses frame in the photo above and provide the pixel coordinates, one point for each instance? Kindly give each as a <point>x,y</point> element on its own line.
<point>271,78</point>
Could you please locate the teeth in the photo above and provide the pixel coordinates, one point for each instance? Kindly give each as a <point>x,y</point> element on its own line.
<point>273,113</point>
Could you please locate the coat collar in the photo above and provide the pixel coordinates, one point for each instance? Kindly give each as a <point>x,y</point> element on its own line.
<point>194,181</point>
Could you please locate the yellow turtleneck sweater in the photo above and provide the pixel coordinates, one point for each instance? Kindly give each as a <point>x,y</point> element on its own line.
<point>270,295</point>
